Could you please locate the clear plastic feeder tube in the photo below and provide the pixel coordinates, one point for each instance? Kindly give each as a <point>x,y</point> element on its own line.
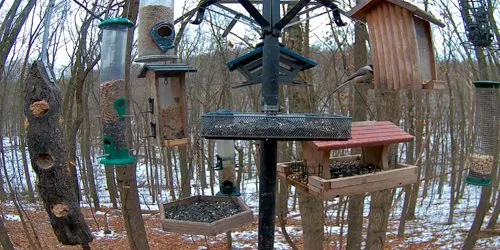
<point>112,90</point>
<point>225,149</point>
<point>156,30</point>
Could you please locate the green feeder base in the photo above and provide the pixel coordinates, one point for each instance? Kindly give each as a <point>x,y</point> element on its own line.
<point>118,158</point>
<point>477,181</point>
<point>228,189</point>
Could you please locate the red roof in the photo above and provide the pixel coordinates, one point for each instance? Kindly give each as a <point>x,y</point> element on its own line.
<point>366,134</point>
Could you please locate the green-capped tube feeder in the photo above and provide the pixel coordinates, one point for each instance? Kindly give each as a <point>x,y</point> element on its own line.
<point>487,116</point>
<point>112,91</point>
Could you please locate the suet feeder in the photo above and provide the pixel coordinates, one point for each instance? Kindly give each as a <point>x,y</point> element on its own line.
<point>477,23</point>
<point>156,31</point>
<point>401,40</point>
<point>487,117</point>
<point>112,91</point>
<point>167,87</point>
<point>290,64</point>
<point>225,158</point>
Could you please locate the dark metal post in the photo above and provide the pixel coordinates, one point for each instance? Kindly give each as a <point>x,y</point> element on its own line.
<point>270,76</point>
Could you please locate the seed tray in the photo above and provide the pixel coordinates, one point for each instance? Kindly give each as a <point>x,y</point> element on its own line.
<point>205,215</point>
<point>287,127</point>
<point>402,175</point>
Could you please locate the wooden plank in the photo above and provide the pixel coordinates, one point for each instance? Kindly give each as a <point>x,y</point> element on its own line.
<point>404,45</point>
<point>369,187</point>
<point>373,177</point>
<point>396,47</point>
<point>392,53</point>
<point>413,55</point>
<point>396,19</point>
<point>375,49</point>
<point>382,59</point>
<point>176,142</point>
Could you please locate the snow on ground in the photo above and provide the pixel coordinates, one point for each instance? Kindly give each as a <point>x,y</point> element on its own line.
<point>12,217</point>
<point>430,226</point>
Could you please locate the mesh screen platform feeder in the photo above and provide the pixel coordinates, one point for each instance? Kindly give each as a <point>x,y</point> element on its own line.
<point>112,91</point>
<point>205,215</point>
<point>487,119</point>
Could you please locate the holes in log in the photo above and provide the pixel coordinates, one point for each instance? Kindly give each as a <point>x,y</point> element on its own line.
<point>60,210</point>
<point>39,108</point>
<point>44,160</point>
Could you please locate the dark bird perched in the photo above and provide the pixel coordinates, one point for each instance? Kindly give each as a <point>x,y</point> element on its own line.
<point>362,75</point>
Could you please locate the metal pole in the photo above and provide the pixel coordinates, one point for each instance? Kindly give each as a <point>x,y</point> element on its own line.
<point>267,177</point>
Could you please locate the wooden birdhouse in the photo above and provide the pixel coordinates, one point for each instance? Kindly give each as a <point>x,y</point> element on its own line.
<point>167,102</point>
<point>401,42</point>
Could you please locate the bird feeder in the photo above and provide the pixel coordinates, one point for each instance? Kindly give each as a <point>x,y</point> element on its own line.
<point>487,117</point>
<point>167,87</point>
<point>112,91</point>
<point>401,42</point>
<point>250,65</point>
<point>156,31</point>
<point>225,163</point>
<point>477,24</point>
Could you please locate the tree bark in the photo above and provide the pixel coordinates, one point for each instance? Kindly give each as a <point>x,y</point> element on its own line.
<point>4,237</point>
<point>313,217</point>
<point>49,159</point>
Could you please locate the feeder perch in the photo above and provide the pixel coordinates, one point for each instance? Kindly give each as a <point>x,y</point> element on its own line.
<point>477,23</point>
<point>166,84</point>
<point>401,40</point>
<point>156,31</point>
<point>487,114</point>
<point>112,91</point>
<point>250,65</point>
<point>205,215</point>
<point>224,124</point>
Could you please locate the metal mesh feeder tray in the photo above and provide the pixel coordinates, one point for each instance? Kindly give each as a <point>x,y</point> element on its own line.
<point>205,215</point>
<point>225,124</point>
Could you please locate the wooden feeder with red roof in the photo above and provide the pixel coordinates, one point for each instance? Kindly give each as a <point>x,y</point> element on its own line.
<point>401,42</point>
<point>374,138</point>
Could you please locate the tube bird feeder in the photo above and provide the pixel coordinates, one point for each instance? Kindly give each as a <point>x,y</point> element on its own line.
<point>112,91</point>
<point>156,31</point>
<point>225,163</point>
<point>487,117</point>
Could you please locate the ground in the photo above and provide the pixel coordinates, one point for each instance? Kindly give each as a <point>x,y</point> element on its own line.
<point>427,232</point>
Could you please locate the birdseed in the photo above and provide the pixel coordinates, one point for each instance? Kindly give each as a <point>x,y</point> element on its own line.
<point>203,211</point>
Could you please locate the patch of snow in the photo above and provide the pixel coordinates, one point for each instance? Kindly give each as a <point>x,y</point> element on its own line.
<point>12,217</point>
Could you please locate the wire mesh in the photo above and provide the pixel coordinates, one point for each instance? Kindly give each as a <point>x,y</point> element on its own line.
<point>257,126</point>
<point>486,117</point>
<point>477,23</point>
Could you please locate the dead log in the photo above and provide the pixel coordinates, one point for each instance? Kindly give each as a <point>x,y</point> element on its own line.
<point>49,159</point>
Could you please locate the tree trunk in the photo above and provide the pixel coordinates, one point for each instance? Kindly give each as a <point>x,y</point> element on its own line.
<point>356,202</point>
<point>185,176</point>
<point>111,184</point>
<point>4,237</point>
<point>313,217</point>
<point>482,208</point>
<point>48,158</point>
<point>381,200</point>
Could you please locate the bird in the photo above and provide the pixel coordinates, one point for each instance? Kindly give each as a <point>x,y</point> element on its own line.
<point>362,75</point>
